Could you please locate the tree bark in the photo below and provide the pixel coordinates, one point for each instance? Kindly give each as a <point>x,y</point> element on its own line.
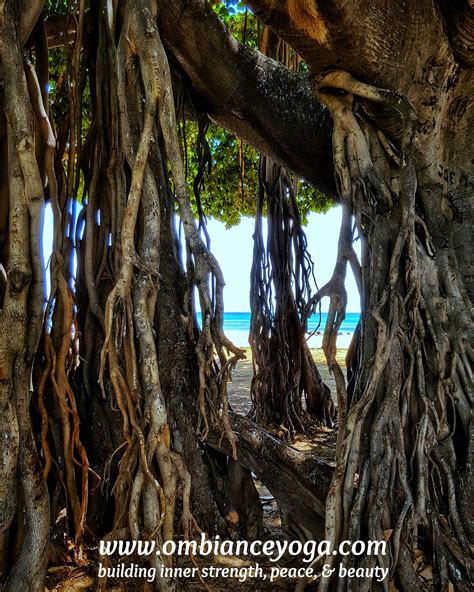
<point>180,380</point>
<point>408,52</point>
<point>20,322</point>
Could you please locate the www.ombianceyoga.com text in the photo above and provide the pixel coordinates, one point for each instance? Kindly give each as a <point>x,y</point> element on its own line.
<point>273,550</point>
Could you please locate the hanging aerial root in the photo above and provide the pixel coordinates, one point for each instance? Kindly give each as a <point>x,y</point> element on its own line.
<point>336,291</point>
<point>281,284</point>
<point>212,398</point>
<point>149,471</point>
<point>119,323</point>
<point>57,358</point>
<point>281,279</point>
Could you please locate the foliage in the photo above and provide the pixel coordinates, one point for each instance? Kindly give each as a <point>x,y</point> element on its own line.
<point>229,188</point>
<point>240,21</point>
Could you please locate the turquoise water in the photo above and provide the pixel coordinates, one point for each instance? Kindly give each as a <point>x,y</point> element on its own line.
<point>240,321</point>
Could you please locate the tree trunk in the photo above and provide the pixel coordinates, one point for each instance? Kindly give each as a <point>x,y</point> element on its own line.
<point>179,369</point>
<point>409,418</point>
<point>404,173</point>
<point>20,324</point>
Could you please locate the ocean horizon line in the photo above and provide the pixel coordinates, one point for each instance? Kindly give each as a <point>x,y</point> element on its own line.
<point>237,328</point>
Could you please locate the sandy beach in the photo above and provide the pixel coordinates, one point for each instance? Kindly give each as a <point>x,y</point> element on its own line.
<point>240,338</point>
<point>239,388</point>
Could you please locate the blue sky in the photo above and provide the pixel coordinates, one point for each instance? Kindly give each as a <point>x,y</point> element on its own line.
<point>233,249</point>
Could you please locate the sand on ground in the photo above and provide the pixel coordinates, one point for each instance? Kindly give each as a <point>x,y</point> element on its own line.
<point>239,388</point>
<point>319,440</point>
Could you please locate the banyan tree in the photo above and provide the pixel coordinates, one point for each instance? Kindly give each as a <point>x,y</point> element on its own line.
<point>115,420</point>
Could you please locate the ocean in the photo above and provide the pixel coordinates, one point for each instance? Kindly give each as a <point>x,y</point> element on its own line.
<point>237,326</point>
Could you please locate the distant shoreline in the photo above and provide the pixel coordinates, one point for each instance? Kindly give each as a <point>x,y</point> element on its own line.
<point>237,326</point>
<point>240,339</point>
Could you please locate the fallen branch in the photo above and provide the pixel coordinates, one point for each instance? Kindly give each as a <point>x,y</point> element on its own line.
<point>298,481</point>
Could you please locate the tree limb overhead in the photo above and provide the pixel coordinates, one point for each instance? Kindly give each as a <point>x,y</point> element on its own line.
<point>250,94</point>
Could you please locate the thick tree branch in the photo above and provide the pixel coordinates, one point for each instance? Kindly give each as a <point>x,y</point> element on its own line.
<point>250,94</point>
<point>403,47</point>
<point>30,11</point>
<point>383,43</point>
